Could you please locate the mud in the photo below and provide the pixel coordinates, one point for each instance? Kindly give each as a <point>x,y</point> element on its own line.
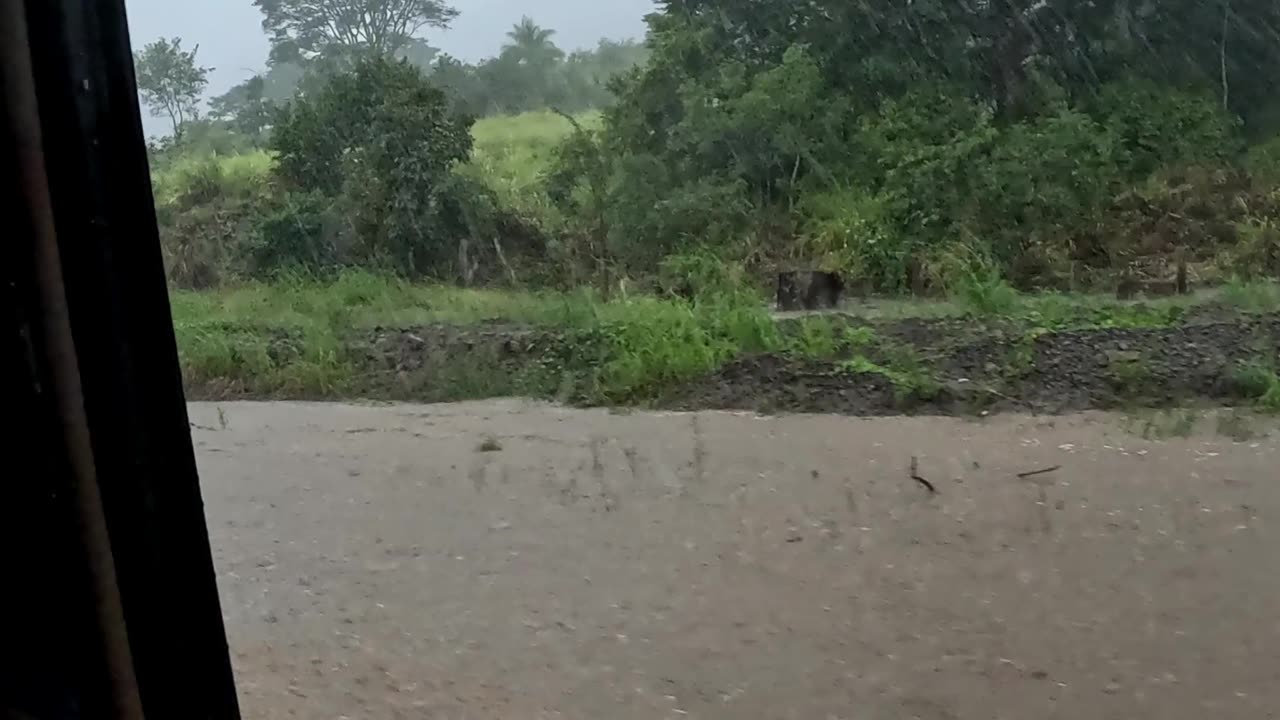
<point>515,560</point>
<point>1002,371</point>
<point>971,368</point>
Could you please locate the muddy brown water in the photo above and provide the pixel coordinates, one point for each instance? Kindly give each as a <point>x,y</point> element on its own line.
<point>375,563</point>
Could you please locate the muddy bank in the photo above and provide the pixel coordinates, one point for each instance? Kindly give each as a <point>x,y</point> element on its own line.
<point>914,366</point>
<point>1037,372</point>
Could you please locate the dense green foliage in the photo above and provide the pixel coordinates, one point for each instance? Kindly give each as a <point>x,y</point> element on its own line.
<point>301,338</point>
<point>342,31</point>
<point>927,147</point>
<point>378,147</point>
<point>909,145</point>
<point>532,73</point>
<point>359,334</point>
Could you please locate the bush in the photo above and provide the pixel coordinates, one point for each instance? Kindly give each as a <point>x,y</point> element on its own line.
<point>199,179</point>
<point>1257,381</point>
<point>1256,254</point>
<point>704,276</point>
<point>206,207</point>
<point>1263,162</point>
<point>947,175</point>
<point>983,290</point>
<point>383,143</point>
<point>1156,125</point>
<point>300,233</point>
<point>201,138</point>
<point>1047,180</point>
<point>847,232</point>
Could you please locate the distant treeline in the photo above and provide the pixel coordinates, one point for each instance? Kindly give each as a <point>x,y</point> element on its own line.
<point>529,73</point>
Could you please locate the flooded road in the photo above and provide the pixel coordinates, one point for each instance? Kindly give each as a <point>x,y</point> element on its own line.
<point>517,560</point>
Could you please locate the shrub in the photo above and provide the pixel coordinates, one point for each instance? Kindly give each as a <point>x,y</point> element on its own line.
<point>705,276</point>
<point>948,174</point>
<point>384,141</point>
<point>513,157</point>
<point>206,207</point>
<point>985,291</point>
<point>847,232</point>
<point>1046,180</point>
<point>1257,381</point>
<point>1256,254</point>
<point>197,179</point>
<point>300,233</point>
<point>1263,162</point>
<point>1157,125</point>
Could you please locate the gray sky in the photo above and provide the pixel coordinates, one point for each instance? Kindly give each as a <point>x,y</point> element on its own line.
<point>229,32</point>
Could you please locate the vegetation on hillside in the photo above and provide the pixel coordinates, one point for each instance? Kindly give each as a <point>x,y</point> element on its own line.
<point>994,156</point>
<point>909,148</point>
<point>365,335</point>
<point>907,145</point>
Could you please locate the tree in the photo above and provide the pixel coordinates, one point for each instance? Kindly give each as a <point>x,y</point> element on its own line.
<point>381,142</point>
<point>525,76</point>
<point>344,30</point>
<point>895,137</point>
<point>245,107</point>
<point>999,50</point>
<point>171,82</point>
<point>467,91</point>
<point>530,44</point>
<point>418,53</point>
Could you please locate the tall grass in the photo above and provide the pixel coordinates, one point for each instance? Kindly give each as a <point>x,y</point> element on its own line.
<point>1258,382</point>
<point>360,299</point>
<point>1256,296</point>
<point>513,153</point>
<point>207,177</point>
<point>298,336</point>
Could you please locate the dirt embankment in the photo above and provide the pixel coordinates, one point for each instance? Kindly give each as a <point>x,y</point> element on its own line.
<point>936,367</point>
<point>1050,372</point>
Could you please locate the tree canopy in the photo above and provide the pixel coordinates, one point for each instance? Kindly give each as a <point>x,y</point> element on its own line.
<point>381,141</point>
<point>171,81</point>
<point>340,30</point>
<point>886,139</point>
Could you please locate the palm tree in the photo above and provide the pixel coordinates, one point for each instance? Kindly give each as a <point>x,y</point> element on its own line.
<point>531,45</point>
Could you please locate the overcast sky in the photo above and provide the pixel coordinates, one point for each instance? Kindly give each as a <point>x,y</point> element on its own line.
<point>229,32</point>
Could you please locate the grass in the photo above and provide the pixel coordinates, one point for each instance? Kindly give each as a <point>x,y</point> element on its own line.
<point>1241,426</point>
<point>211,176</point>
<point>520,147</point>
<point>1062,311</point>
<point>1165,424</point>
<point>1252,296</point>
<point>1257,381</point>
<point>911,385</point>
<point>1130,375</point>
<point>512,155</point>
<point>301,337</point>
<point>816,337</point>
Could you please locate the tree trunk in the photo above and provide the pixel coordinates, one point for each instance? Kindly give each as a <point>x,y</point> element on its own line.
<point>502,258</point>
<point>466,270</point>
